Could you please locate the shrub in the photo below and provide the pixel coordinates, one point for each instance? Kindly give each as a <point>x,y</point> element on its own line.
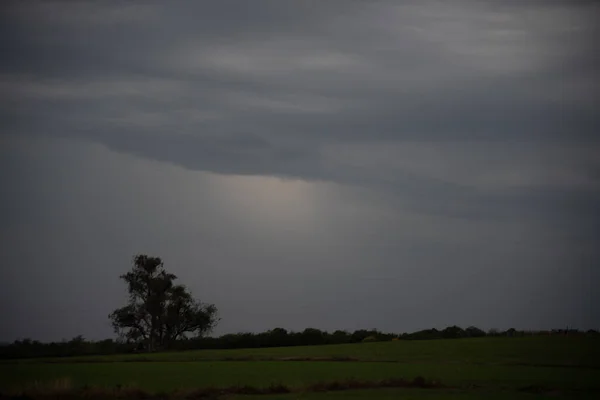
<point>370,339</point>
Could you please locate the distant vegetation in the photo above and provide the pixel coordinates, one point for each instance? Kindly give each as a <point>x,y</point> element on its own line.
<point>161,315</point>
<point>277,337</point>
<point>161,325</point>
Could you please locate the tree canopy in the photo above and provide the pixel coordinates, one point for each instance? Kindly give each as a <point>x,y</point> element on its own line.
<point>159,312</point>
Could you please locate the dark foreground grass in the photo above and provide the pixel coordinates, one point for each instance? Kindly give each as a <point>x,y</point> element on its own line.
<point>422,394</point>
<point>164,376</point>
<point>534,367</point>
<point>418,388</point>
<point>64,389</point>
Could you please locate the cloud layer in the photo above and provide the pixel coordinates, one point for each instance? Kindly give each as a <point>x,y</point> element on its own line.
<point>433,142</point>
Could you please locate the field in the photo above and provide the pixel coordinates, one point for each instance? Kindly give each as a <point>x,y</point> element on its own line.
<point>491,368</point>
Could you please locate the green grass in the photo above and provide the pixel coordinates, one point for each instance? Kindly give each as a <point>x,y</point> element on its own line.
<point>173,375</point>
<point>551,350</point>
<point>495,366</point>
<point>416,394</point>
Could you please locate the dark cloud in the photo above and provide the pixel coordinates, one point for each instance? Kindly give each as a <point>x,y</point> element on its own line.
<point>422,131</point>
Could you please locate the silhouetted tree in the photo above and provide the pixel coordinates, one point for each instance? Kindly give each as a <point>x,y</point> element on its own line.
<point>277,337</point>
<point>473,331</point>
<point>312,336</point>
<point>159,312</point>
<point>493,332</point>
<point>340,336</point>
<point>453,332</point>
<point>359,335</point>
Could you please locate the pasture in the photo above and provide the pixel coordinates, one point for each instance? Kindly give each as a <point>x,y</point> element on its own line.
<point>491,368</point>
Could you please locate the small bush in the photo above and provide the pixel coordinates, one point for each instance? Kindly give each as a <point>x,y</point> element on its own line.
<point>370,339</point>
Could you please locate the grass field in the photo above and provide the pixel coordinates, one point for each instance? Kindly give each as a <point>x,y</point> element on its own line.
<point>530,367</point>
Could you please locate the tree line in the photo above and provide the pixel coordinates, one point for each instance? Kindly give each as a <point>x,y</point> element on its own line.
<point>162,315</point>
<point>277,337</point>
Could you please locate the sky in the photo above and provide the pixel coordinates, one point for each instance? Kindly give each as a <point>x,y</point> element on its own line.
<point>327,164</point>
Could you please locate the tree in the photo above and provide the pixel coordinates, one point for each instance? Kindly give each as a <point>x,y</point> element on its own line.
<point>359,335</point>
<point>493,332</point>
<point>312,336</point>
<point>473,331</point>
<point>159,312</point>
<point>453,332</point>
<point>340,336</point>
<point>277,337</point>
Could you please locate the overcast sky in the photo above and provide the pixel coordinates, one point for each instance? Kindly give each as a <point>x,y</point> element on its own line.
<point>328,164</point>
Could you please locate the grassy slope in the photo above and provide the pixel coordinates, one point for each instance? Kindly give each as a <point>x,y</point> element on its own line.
<point>169,376</point>
<point>552,350</point>
<point>493,363</point>
<point>414,394</point>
